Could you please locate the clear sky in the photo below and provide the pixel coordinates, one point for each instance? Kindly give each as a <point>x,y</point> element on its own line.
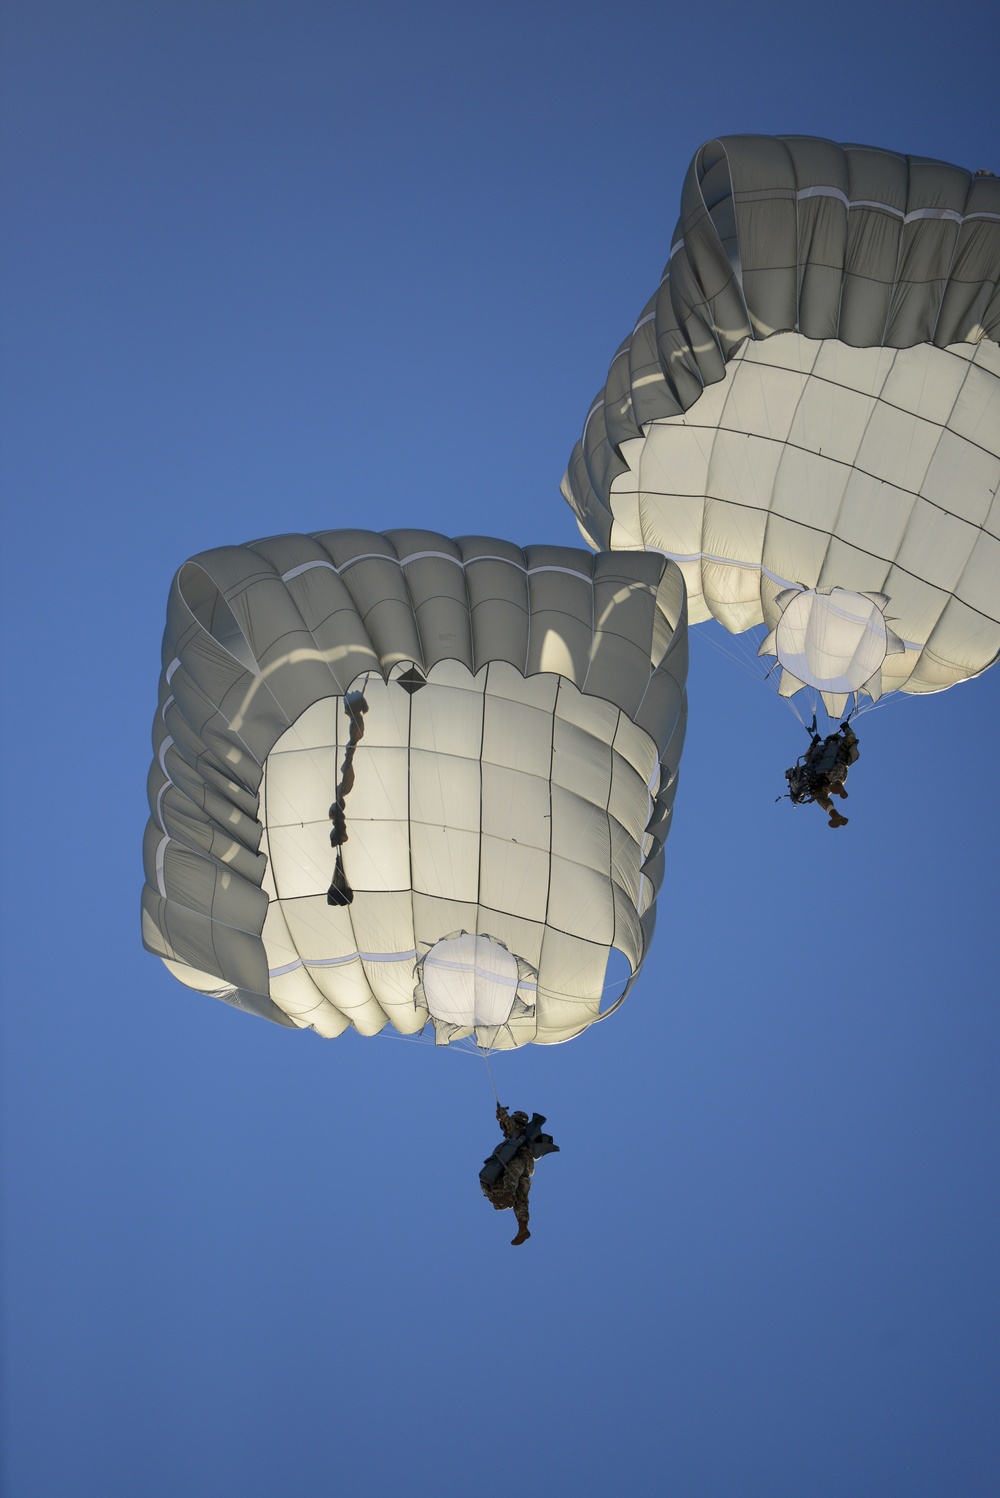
<point>282,267</point>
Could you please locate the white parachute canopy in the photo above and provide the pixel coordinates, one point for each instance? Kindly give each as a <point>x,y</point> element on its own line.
<point>806,417</point>
<point>402,779</point>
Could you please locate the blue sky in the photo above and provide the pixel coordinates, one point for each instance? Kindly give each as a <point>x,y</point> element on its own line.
<point>285,267</point>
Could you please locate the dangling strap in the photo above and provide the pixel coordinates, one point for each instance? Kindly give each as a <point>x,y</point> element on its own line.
<point>340,892</point>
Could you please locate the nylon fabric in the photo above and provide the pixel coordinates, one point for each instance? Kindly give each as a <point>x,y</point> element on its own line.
<point>811,399</point>
<point>513,785</point>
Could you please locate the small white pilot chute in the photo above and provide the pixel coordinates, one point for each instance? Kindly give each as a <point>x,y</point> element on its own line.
<point>831,640</point>
<point>473,983</point>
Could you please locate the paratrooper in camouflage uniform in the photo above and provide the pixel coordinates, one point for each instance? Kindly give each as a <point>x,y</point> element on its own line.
<point>822,771</point>
<point>515,1183</point>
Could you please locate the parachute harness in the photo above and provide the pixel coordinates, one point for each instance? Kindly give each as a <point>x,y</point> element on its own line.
<point>806,776</point>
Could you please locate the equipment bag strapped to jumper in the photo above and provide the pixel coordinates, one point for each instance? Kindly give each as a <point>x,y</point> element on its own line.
<point>531,1135</point>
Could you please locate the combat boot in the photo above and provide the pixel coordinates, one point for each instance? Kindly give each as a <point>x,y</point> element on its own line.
<point>522,1235</point>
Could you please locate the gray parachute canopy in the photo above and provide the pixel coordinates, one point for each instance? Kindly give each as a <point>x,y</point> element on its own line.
<point>498,732</point>
<point>806,416</point>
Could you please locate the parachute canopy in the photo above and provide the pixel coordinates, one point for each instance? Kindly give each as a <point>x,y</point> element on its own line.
<point>806,416</point>
<point>490,739</point>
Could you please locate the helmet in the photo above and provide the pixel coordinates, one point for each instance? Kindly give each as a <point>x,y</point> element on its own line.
<point>521,1119</point>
